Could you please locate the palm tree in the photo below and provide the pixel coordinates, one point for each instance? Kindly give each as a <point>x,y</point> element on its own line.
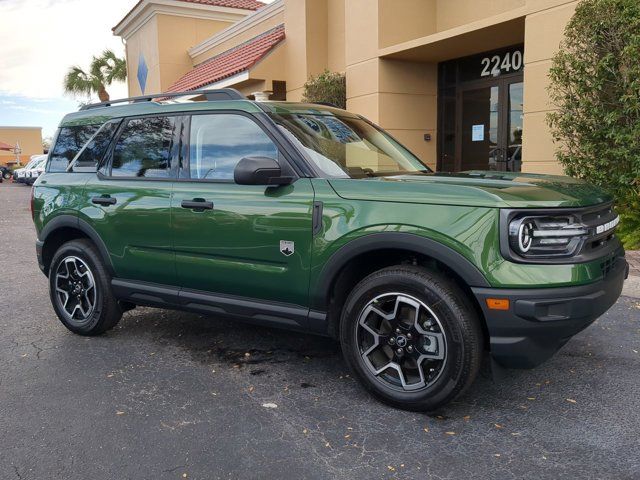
<point>103,71</point>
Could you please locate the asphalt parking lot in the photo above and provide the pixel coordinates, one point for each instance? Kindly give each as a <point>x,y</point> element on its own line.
<point>170,395</point>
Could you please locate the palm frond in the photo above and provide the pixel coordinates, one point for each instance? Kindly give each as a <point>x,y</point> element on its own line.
<point>110,67</point>
<point>77,81</point>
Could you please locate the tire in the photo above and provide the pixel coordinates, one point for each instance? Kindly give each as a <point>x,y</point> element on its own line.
<point>95,309</point>
<point>427,317</point>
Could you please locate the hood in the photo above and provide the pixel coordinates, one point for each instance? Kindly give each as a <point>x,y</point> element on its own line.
<point>474,188</point>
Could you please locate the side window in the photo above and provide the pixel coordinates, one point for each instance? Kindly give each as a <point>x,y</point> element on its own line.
<point>218,142</point>
<point>96,148</point>
<point>144,148</point>
<point>68,143</point>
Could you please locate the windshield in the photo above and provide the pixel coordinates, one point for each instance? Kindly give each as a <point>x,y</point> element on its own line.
<point>32,163</point>
<point>348,147</point>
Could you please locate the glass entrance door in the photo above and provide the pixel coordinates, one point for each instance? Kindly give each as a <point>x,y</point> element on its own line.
<point>513,152</point>
<point>490,120</point>
<point>480,112</point>
<point>479,132</point>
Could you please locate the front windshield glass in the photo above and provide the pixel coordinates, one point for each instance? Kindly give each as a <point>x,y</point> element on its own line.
<point>32,163</point>
<point>346,146</point>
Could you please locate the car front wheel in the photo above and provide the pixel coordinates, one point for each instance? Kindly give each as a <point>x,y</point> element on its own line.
<point>411,337</point>
<point>80,289</point>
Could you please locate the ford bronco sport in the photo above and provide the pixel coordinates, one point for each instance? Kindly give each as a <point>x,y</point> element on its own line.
<point>311,218</point>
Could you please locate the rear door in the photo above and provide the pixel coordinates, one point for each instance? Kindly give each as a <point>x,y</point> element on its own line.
<point>245,240</point>
<point>128,202</point>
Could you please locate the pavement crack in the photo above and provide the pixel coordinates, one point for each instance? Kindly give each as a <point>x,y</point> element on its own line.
<point>171,470</point>
<point>38,350</point>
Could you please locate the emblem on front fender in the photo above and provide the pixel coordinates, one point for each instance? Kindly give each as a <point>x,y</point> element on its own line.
<point>287,247</point>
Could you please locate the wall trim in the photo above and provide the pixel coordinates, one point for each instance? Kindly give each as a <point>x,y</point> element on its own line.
<point>146,9</point>
<point>251,20</point>
<point>228,82</point>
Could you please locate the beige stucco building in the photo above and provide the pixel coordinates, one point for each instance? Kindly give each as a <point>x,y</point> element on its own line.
<point>27,139</point>
<point>462,83</point>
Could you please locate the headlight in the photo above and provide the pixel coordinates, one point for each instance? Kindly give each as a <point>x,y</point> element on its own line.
<point>546,236</point>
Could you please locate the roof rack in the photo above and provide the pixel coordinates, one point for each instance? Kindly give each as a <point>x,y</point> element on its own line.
<point>210,95</point>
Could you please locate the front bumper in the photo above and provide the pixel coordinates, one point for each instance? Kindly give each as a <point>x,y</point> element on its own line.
<point>540,321</point>
<point>39,246</point>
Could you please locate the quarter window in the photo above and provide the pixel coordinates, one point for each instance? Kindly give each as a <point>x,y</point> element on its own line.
<point>69,142</point>
<point>219,142</point>
<point>96,148</point>
<point>144,148</point>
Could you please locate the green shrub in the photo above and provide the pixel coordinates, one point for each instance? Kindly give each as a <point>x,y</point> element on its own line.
<point>595,83</point>
<point>327,87</point>
<point>629,230</point>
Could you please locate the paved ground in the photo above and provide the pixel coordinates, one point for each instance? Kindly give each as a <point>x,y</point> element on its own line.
<point>170,395</point>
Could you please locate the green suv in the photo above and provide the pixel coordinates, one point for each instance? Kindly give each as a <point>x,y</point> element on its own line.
<point>311,218</point>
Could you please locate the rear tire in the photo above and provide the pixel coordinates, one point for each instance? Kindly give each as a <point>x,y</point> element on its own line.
<point>80,289</point>
<point>411,337</point>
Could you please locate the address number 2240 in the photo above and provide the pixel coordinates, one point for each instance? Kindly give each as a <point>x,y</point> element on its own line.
<point>494,66</point>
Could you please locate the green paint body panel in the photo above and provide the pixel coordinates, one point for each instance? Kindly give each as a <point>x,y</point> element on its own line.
<point>234,249</point>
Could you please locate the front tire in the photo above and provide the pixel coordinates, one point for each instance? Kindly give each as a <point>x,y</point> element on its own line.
<point>411,337</point>
<point>80,289</point>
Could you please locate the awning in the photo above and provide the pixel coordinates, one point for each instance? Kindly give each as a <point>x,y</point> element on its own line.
<point>6,146</point>
<point>232,62</point>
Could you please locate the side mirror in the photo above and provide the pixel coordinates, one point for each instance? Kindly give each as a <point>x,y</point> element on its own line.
<point>259,171</point>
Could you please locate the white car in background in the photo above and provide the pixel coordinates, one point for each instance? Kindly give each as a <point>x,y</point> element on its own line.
<point>32,174</point>
<point>19,175</point>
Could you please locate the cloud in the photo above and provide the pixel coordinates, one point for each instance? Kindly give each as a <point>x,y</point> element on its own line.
<point>41,39</point>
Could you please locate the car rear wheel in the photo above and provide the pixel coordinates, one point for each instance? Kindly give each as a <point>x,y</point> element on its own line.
<point>80,289</point>
<point>411,337</point>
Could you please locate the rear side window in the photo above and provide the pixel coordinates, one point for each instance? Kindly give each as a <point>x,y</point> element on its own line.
<point>92,154</point>
<point>143,149</point>
<point>69,142</point>
<point>220,141</point>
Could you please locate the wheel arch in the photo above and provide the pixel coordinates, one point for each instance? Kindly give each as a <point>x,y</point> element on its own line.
<point>63,228</point>
<point>364,255</point>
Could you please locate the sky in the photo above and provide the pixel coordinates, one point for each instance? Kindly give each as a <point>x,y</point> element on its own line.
<point>39,41</point>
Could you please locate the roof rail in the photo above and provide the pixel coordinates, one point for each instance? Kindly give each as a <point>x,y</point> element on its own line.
<point>210,95</point>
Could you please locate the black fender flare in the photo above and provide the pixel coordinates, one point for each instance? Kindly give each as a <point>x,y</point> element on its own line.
<point>71,221</point>
<point>471,275</point>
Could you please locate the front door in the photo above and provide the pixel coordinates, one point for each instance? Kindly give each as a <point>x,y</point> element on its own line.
<point>481,112</point>
<point>241,240</point>
<point>490,126</point>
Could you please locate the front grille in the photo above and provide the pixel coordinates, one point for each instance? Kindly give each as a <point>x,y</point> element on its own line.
<point>592,219</point>
<point>607,265</point>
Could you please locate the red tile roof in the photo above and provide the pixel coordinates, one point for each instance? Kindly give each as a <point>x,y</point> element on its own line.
<point>231,62</point>
<point>244,4</point>
<point>5,146</point>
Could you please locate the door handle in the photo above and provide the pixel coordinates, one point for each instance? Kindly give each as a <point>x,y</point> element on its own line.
<point>105,200</point>
<point>197,204</point>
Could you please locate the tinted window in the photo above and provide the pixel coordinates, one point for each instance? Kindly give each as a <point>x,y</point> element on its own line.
<point>68,143</point>
<point>96,148</point>
<point>144,148</point>
<point>219,142</point>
